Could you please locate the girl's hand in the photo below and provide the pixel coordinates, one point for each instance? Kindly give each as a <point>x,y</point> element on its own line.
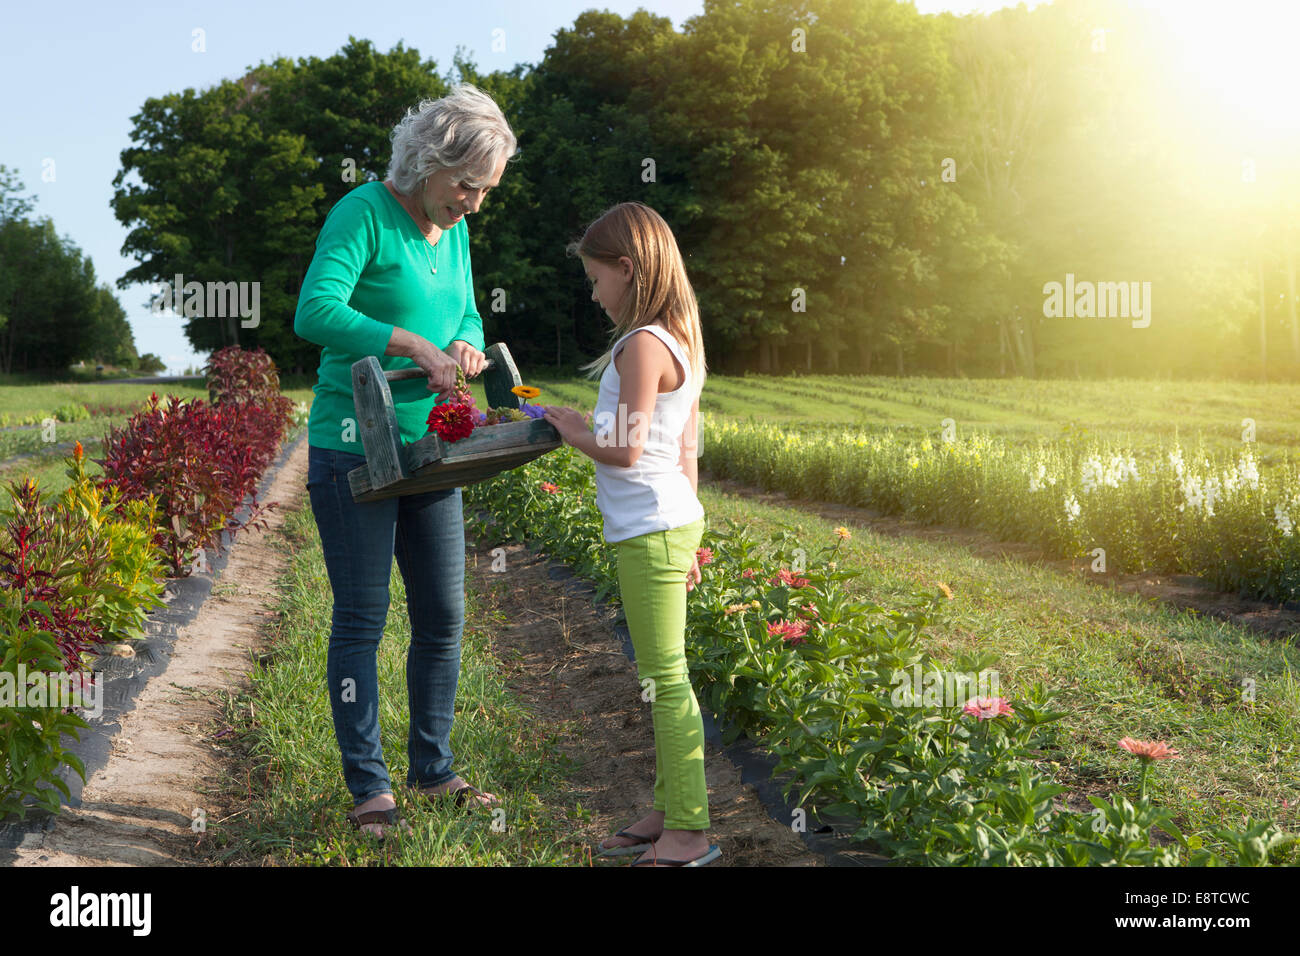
<point>693,576</point>
<point>567,421</point>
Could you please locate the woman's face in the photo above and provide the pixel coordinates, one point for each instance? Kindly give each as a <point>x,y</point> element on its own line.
<point>609,283</point>
<point>448,195</point>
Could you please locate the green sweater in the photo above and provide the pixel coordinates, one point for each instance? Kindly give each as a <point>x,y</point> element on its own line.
<point>371,272</point>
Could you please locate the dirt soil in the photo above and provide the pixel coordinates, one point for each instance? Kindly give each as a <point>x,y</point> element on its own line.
<point>572,667</point>
<point>138,810</point>
<point>1181,591</point>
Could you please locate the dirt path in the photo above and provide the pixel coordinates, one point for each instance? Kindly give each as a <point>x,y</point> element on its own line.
<point>1181,591</point>
<point>138,810</point>
<point>566,660</point>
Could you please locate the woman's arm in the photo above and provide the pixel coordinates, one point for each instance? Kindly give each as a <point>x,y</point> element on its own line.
<point>643,363</point>
<point>347,242</point>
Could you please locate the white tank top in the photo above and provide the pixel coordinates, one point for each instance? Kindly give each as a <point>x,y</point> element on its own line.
<point>654,494</point>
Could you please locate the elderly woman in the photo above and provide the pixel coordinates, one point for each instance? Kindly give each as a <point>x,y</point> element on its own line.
<point>391,277</point>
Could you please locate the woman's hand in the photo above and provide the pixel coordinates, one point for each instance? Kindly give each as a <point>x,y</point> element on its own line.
<point>568,422</point>
<point>693,576</point>
<point>440,367</point>
<point>467,357</point>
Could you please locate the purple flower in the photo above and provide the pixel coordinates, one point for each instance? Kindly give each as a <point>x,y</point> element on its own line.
<point>534,411</point>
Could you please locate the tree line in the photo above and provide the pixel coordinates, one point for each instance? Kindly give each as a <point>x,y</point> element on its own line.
<point>856,187</point>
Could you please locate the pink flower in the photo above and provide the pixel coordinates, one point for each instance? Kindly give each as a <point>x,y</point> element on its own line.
<point>785,577</point>
<point>704,556</point>
<point>985,708</point>
<point>1149,750</point>
<point>747,573</point>
<point>791,631</point>
<point>549,488</point>
<point>811,611</point>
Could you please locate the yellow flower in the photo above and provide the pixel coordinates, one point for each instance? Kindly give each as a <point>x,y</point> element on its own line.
<point>526,391</point>
<point>947,591</point>
<point>843,533</point>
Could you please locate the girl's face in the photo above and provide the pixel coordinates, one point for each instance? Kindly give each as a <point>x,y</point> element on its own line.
<point>609,283</point>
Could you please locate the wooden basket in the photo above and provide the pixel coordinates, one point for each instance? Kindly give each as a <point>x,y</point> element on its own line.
<point>431,464</point>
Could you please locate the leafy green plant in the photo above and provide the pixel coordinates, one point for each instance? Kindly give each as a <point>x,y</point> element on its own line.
<point>782,654</point>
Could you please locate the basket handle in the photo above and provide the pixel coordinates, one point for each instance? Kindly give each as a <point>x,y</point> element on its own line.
<point>401,374</point>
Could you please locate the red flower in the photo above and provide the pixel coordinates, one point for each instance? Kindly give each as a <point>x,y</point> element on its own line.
<point>791,631</point>
<point>452,421</point>
<point>747,573</point>
<point>549,488</point>
<point>704,556</point>
<point>785,577</point>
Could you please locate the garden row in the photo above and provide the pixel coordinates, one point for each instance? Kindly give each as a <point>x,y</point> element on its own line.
<point>86,566</point>
<point>1223,517</point>
<point>846,696</point>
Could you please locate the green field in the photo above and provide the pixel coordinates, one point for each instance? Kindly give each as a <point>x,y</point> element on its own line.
<point>1140,413</point>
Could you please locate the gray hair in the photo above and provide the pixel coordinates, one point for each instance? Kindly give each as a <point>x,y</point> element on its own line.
<point>464,129</point>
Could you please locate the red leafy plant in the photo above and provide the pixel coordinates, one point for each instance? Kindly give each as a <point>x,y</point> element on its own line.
<point>199,461</point>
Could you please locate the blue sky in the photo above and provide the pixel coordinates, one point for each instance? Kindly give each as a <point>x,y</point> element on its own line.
<point>75,73</point>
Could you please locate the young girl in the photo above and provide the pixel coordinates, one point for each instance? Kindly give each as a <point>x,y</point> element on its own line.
<point>646,479</point>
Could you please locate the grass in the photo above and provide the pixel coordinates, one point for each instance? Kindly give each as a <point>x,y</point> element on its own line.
<point>1121,665</point>
<point>290,782</point>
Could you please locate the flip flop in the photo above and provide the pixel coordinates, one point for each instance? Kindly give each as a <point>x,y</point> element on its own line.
<point>630,848</point>
<point>713,853</point>
<point>388,818</point>
<point>461,796</point>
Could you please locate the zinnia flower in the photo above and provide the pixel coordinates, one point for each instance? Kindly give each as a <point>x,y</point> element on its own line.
<point>747,573</point>
<point>790,631</point>
<point>985,708</point>
<point>843,533</point>
<point>526,391</point>
<point>704,556</point>
<point>1149,750</point>
<point>452,421</point>
<point>789,579</point>
<point>549,488</point>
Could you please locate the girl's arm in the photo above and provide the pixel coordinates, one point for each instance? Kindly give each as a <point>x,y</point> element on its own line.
<point>643,362</point>
<point>690,457</point>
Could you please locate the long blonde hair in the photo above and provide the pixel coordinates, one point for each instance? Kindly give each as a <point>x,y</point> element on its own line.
<point>660,287</point>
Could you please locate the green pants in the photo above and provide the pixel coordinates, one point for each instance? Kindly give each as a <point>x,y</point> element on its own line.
<point>652,577</point>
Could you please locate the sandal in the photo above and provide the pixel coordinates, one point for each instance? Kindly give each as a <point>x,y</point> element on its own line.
<point>461,796</point>
<point>386,818</point>
<point>644,843</point>
<point>713,853</point>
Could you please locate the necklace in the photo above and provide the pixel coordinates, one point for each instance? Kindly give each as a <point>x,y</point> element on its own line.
<point>433,265</point>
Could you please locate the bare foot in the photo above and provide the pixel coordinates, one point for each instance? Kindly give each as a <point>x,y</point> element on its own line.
<point>683,845</point>
<point>649,826</point>
<point>455,783</point>
<point>383,801</point>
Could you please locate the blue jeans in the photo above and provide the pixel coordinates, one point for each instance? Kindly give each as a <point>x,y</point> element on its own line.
<point>427,534</point>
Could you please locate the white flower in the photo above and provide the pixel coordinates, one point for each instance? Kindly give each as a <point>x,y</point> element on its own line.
<point>1283,520</point>
<point>1071,508</point>
<point>1176,461</point>
<point>1039,480</point>
<point>1092,475</point>
<point>1248,471</point>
